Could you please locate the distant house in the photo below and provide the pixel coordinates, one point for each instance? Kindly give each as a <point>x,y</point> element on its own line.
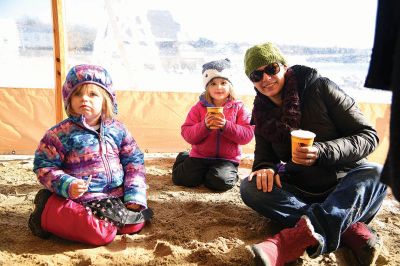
<point>35,35</point>
<point>9,38</point>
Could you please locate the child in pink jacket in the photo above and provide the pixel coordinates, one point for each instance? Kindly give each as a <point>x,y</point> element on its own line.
<point>215,138</point>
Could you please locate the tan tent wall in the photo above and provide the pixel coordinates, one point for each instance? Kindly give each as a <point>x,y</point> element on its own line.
<point>154,118</point>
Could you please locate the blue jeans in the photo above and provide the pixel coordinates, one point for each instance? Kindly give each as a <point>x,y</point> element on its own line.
<point>357,198</point>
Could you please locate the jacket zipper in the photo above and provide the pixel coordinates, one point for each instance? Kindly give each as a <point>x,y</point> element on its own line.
<point>104,157</point>
<point>103,150</point>
<point>218,137</point>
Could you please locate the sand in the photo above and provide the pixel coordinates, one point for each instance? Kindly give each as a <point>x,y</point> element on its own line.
<point>190,226</point>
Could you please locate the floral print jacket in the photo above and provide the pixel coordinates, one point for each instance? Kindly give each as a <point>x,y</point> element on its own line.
<point>72,150</point>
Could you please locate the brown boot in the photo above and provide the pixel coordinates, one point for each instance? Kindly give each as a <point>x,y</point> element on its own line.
<point>286,246</point>
<point>363,242</point>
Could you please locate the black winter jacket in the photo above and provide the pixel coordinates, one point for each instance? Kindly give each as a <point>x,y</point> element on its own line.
<point>383,74</point>
<point>343,135</point>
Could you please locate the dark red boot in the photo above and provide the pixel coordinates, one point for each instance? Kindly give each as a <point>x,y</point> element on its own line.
<point>286,246</point>
<point>363,242</point>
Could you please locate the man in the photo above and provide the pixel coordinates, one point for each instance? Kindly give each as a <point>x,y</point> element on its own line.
<point>331,193</point>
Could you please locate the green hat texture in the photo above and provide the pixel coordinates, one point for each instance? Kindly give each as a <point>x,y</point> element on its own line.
<point>261,55</point>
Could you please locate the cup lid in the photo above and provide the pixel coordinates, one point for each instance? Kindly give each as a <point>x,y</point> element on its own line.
<point>303,134</point>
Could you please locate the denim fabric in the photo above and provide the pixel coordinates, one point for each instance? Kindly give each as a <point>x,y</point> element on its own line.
<point>357,198</point>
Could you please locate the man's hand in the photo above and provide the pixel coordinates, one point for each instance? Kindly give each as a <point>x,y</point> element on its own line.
<point>265,179</point>
<point>306,155</point>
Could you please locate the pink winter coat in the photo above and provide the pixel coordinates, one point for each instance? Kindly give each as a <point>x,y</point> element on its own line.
<point>221,144</point>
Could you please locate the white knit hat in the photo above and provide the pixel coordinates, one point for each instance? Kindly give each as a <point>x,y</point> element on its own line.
<point>217,69</point>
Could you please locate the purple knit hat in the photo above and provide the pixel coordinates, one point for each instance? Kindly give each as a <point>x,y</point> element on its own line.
<point>84,74</point>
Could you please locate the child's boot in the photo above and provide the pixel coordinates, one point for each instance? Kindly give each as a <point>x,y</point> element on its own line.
<point>35,219</point>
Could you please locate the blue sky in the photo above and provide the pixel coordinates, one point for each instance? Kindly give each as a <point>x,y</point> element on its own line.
<point>16,8</point>
<point>343,23</point>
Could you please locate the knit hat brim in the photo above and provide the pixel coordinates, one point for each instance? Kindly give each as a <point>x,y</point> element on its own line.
<point>261,55</point>
<point>211,74</point>
<point>216,69</point>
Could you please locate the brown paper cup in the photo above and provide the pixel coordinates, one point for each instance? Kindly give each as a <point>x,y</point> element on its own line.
<point>301,138</point>
<point>215,110</point>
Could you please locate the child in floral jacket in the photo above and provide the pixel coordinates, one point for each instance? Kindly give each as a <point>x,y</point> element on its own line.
<point>91,167</point>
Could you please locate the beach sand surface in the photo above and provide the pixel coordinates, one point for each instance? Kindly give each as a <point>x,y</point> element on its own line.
<point>191,226</point>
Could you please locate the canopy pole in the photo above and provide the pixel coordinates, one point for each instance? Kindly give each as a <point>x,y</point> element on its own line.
<point>59,56</point>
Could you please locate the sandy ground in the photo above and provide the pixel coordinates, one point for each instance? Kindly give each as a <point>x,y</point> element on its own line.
<point>190,226</point>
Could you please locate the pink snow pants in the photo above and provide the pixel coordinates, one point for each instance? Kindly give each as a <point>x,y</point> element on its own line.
<point>70,220</point>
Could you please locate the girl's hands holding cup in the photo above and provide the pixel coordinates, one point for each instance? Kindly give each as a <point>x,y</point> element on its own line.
<point>215,120</point>
<point>208,120</point>
<point>219,121</point>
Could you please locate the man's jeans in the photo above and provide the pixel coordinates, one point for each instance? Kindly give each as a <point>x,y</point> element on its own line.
<point>357,198</point>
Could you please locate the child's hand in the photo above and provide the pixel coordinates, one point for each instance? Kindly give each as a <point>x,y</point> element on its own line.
<point>134,207</point>
<point>215,121</point>
<point>219,121</point>
<point>209,120</point>
<point>78,188</point>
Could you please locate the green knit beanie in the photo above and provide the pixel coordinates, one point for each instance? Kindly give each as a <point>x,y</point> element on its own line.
<point>261,55</point>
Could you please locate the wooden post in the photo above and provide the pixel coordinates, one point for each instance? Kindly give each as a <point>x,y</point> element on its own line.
<point>59,56</point>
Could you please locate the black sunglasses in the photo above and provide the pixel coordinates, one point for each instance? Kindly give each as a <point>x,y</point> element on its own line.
<point>271,69</point>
